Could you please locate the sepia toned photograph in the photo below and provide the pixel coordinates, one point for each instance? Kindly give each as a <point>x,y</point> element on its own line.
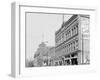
<point>55,39</point>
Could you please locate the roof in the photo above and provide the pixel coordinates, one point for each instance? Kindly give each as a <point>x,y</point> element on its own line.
<point>66,23</point>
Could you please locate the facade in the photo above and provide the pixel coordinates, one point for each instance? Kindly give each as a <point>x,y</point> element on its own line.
<point>72,41</point>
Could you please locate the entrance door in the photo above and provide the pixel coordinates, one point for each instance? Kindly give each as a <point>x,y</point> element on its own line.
<point>74,61</point>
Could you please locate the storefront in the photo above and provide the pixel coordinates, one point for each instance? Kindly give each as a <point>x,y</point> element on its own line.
<point>71,59</point>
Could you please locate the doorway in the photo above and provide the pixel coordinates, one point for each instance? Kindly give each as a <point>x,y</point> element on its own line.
<point>74,61</point>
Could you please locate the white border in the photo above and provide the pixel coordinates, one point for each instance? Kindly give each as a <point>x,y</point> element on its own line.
<point>20,42</point>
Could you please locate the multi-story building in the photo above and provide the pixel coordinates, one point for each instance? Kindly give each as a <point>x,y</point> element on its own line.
<point>72,41</point>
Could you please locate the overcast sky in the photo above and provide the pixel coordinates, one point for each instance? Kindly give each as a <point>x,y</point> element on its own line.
<point>39,25</point>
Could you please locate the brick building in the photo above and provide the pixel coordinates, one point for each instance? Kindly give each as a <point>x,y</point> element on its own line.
<point>72,41</point>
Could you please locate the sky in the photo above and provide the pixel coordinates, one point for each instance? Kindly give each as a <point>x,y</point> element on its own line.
<point>41,27</point>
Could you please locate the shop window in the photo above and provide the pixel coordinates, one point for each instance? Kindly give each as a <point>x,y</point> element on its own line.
<point>60,62</point>
<point>65,62</point>
<point>74,61</point>
<point>68,62</point>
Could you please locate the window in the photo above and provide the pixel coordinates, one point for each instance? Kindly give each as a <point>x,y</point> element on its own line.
<point>65,48</point>
<point>76,44</point>
<point>72,31</point>
<point>65,56</point>
<point>60,39</point>
<point>66,35</point>
<point>73,45</point>
<point>55,63</point>
<point>69,47</point>
<point>62,35</point>
<point>77,28</point>
<point>60,62</point>
<point>69,34</point>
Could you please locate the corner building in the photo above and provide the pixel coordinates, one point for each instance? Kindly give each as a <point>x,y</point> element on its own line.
<point>72,41</point>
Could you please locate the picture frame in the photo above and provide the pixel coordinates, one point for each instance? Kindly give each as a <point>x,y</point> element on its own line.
<point>18,40</point>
